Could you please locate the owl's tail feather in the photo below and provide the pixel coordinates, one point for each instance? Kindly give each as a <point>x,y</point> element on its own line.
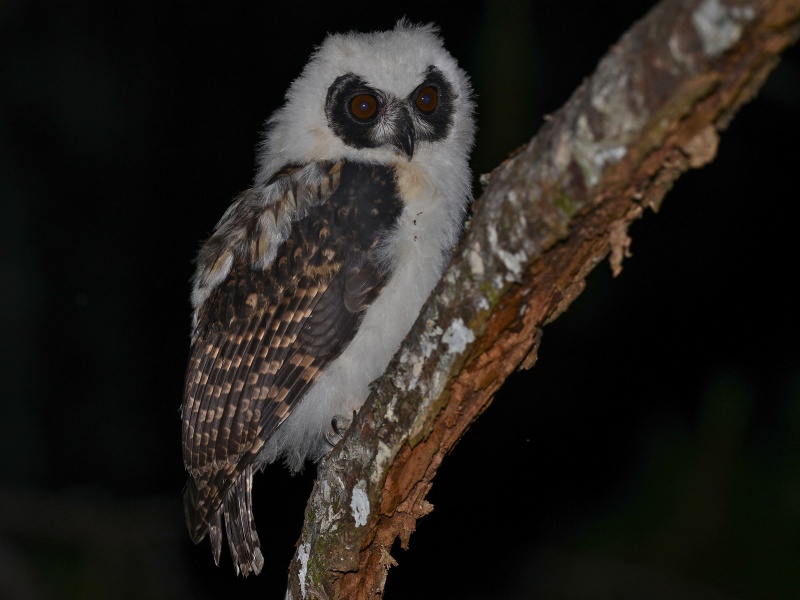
<point>237,508</point>
<point>242,537</point>
<point>196,509</point>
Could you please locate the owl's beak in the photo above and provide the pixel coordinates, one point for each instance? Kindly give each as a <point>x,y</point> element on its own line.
<point>407,142</point>
<point>405,137</point>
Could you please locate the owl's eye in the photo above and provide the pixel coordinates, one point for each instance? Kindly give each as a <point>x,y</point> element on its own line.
<point>427,99</point>
<point>363,107</point>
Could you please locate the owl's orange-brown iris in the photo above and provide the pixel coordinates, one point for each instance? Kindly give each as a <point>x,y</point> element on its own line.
<point>364,107</point>
<point>427,98</point>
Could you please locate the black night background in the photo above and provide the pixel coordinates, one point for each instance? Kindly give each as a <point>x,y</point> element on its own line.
<point>652,452</point>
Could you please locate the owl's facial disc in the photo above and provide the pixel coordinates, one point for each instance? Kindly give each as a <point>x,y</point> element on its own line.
<point>365,117</point>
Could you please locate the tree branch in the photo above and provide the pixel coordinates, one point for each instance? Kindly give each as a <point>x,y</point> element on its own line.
<point>548,216</point>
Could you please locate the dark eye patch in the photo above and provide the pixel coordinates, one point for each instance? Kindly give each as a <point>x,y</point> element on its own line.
<point>434,101</point>
<point>351,107</point>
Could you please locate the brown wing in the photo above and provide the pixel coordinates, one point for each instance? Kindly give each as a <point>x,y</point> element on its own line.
<point>264,335</point>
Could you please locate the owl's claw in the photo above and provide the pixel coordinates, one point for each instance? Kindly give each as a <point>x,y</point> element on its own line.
<point>339,425</point>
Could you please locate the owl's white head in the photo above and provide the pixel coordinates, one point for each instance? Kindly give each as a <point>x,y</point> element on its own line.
<point>384,97</point>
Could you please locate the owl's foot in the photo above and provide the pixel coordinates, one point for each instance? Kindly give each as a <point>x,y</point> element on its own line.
<point>339,425</point>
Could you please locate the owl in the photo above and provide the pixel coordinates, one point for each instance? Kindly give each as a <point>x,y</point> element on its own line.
<point>313,277</point>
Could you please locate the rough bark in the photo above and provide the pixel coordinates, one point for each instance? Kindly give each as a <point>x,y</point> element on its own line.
<point>549,214</point>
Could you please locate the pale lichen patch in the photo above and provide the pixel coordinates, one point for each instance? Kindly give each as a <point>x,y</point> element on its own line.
<point>413,363</point>
<point>591,157</point>
<point>513,261</point>
<point>476,262</point>
<point>720,26</point>
<point>429,341</point>
<point>326,491</point>
<point>457,336</point>
<point>359,504</point>
<point>390,414</point>
<point>382,457</point>
<point>303,552</point>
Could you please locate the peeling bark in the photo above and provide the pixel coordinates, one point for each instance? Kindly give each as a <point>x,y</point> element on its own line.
<point>548,215</point>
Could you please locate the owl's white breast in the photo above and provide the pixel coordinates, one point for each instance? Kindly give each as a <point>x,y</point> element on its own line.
<point>417,250</point>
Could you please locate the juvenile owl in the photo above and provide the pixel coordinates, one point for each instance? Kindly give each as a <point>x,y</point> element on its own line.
<point>314,276</point>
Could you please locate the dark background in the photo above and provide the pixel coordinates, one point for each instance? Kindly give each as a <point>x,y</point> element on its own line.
<point>651,453</point>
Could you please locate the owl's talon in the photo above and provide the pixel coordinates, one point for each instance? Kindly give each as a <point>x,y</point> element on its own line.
<point>329,438</point>
<point>339,425</point>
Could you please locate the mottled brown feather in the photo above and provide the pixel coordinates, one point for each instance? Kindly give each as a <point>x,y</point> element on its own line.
<point>264,335</point>
<point>220,398</point>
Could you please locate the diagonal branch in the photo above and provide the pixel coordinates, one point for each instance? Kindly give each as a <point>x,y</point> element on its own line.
<point>548,216</point>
